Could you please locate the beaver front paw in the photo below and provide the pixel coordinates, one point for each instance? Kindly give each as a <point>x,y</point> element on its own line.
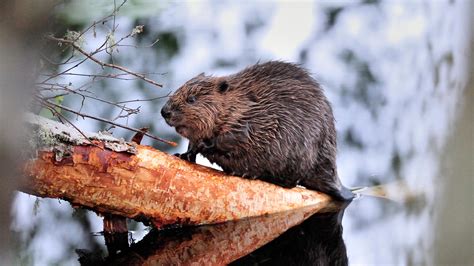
<point>188,156</point>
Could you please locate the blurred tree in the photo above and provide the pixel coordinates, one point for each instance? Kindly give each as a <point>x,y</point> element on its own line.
<point>21,24</point>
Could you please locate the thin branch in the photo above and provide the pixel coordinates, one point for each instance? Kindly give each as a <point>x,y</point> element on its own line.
<point>112,15</point>
<point>107,121</point>
<point>67,61</point>
<point>111,76</point>
<point>62,117</point>
<point>135,46</point>
<point>121,105</point>
<point>65,88</point>
<point>145,100</point>
<point>80,61</point>
<point>117,44</point>
<point>64,71</point>
<point>103,64</point>
<point>47,88</point>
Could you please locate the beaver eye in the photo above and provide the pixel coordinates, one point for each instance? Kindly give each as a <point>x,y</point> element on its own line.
<point>191,99</point>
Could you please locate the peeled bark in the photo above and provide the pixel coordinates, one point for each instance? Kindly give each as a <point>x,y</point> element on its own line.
<point>139,182</point>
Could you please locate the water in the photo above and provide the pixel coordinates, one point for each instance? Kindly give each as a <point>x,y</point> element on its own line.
<point>397,76</point>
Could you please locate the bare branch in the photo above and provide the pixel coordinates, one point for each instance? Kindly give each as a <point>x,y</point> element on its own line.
<point>70,46</point>
<point>62,117</point>
<point>45,102</point>
<point>145,100</point>
<point>103,64</point>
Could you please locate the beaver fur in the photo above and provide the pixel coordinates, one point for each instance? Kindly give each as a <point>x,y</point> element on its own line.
<point>270,121</point>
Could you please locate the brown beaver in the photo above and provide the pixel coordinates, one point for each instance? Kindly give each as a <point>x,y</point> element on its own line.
<point>270,121</point>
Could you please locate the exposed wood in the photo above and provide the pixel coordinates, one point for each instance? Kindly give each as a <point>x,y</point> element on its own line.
<point>143,183</point>
<point>115,227</point>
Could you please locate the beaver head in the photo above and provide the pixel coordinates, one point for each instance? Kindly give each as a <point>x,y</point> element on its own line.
<point>196,108</point>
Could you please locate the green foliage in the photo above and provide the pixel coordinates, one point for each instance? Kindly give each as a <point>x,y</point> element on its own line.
<point>168,43</point>
<point>45,112</point>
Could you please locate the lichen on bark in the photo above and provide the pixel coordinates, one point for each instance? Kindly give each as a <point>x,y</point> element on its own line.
<point>49,135</point>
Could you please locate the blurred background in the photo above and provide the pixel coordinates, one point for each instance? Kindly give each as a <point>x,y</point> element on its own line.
<point>396,72</point>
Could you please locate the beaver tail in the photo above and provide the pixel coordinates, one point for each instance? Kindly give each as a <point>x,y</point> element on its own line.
<point>343,194</point>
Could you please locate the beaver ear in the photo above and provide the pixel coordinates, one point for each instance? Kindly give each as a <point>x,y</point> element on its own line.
<point>223,86</point>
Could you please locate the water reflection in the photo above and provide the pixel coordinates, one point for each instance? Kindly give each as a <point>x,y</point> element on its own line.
<point>223,243</point>
<point>317,241</point>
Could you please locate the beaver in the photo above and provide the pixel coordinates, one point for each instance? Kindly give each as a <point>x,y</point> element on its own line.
<point>270,121</point>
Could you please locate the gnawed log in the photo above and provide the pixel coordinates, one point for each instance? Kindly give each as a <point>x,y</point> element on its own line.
<point>139,182</point>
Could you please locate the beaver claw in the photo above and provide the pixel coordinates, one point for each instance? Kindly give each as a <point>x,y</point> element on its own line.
<point>188,156</point>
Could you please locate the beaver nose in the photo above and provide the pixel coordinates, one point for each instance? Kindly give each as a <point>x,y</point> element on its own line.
<point>165,112</point>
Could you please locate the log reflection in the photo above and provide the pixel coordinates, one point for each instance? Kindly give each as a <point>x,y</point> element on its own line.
<point>211,244</point>
<point>317,241</point>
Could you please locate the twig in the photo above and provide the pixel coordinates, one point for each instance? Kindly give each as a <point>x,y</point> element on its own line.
<point>103,64</point>
<point>111,76</point>
<point>121,105</point>
<point>46,88</point>
<point>113,14</point>
<point>135,46</point>
<point>62,117</point>
<point>108,122</point>
<point>64,71</point>
<point>65,88</point>
<point>145,100</point>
